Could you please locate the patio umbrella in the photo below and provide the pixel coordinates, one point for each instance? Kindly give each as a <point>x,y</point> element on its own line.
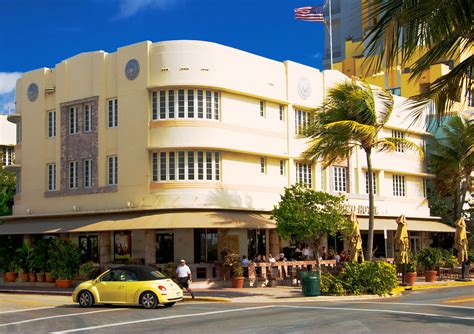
<point>355,240</point>
<point>401,239</point>
<point>460,239</point>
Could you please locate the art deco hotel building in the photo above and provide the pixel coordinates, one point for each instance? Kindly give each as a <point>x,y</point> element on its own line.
<point>179,149</point>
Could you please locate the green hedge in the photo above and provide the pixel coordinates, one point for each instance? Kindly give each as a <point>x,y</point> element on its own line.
<point>375,278</point>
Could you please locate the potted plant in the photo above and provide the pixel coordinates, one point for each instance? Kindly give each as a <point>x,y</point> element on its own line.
<point>22,256</point>
<point>429,258</point>
<point>232,260</point>
<point>410,274</point>
<point>89,270</point>
<point>64,259</point>
<point>7,265</point>
<point>39,259</point>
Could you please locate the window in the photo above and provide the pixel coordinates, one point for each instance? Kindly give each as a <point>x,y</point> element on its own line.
<point>51,177</point>
<point>51,124</point>
<point>374,182</point>
<point>304,174</point>
<point>207,165</point>
<point>425,194</point>
<point>164,251</point>
<point>262,108</point>
<point>7,155</point>
<point>18,183</point>
<point>87,173</point>
<point>73,179</point>
<point>470,98</point>
<point>18,132</point>
<point>181,103</point>
<point>87,118</point>
<point>282,111</point>
<point>256,242</point>
<point>207,104</point>
<point>395,91</point>
<point>282,167</point>
<point>340,179</point>
<point>263,165</point>
<point>89,248</point>
<point>73,121</point>
<point>398,185</point>
<point>400,135</point>
<point>113,170</point>
<point>113,113</point>
<point>205,245</point>
<point>301,121</point>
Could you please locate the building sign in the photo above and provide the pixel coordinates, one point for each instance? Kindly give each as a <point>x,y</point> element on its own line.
<point>360,209</point>
<point>122,245</point>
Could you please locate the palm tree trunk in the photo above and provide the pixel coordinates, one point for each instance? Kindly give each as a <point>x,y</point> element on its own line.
<point>370,239</point>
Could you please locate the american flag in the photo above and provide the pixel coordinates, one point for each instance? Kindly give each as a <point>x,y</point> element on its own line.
<point>312,14</point>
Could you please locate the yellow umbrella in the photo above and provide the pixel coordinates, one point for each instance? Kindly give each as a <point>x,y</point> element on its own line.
<point>355,240</point>
<point>460,239</point>
<point>401,239</point>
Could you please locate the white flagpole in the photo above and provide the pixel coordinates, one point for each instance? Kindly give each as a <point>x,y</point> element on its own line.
<point>330,32</point>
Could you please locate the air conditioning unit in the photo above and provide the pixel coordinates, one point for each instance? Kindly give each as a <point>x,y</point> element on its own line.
<point>76,208</point>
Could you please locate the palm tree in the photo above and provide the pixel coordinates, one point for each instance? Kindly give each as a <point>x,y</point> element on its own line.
<point>451,158</point>
<point>349,119</point>
<point>438,30</point>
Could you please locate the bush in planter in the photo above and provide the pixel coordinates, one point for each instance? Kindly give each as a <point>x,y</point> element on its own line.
<point>89,270</point>
<point>232,260</point>
<point>22,260</point>
<point>64,259</point>
<point>448,260</point>
<point>136,260</point>
<point>429,258</point>
<point>169,270</point>
<point>38,259</point>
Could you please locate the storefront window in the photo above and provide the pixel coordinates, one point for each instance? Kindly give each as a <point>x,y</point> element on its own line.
<point>164,247</point>
<point>89,247</point>
<point>257,243</point>
<point>205,245</point>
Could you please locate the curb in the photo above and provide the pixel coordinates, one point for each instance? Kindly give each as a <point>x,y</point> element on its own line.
<point>435,286</point>
<point>37,292</point>
<point>207,299</point>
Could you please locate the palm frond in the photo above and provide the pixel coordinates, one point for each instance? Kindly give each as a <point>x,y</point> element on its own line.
<point>353,128</point>
<point>390,144</point>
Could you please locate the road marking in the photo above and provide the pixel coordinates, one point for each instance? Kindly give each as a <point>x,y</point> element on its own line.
<point>28,309</point>
<point>58,316</point>
<point>163,318</point>
<point>465,300</point>
<point>413,304</point>
<point>376,311</point>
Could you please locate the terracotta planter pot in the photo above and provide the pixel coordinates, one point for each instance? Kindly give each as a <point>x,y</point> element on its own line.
<point>32,277</point>
<point>23,277</point>
<point>49,278</point>
<point>40,277</point>
<point>63,283</point>
<point>410,278</point>
<point>238,282</point>
<point>10,276</point>
<point>430,275</point>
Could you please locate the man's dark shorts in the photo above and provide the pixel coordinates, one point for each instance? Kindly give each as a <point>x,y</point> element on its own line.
<point>183,282</point>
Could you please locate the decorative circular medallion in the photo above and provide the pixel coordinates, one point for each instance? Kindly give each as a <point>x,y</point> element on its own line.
<point>304,88</point>
<point>132,69</point>
<point>32,92</point>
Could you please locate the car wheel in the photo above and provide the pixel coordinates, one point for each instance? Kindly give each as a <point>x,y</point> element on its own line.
<point>85,299</point>
<point>169,304</point>
<point>148,300</point>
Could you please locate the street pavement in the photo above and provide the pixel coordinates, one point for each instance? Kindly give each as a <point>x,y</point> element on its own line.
<point>446,310</point>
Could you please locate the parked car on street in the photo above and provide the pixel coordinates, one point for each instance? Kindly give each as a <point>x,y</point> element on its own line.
<point>131,284</point>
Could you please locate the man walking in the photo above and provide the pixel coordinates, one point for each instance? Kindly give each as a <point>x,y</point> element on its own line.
<point>184,276</point>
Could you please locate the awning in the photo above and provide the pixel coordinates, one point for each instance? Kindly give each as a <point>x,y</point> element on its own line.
<point>167,220</point>
<point>414,225</point>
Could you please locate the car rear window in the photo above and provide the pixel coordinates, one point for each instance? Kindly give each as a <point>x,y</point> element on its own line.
<point>157,274</point>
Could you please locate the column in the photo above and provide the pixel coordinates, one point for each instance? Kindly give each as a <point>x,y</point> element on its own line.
<point>104,248</point>
<point>274,242</point>
<point>150,247</point>
<point>222,241</point>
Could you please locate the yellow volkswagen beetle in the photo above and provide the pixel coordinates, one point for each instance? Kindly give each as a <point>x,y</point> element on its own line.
<point>133,284</point>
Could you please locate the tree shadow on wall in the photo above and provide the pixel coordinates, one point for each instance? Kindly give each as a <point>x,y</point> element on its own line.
<point>223,198</point>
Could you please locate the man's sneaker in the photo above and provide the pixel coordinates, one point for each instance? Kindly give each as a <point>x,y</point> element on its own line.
<point>192,296</point>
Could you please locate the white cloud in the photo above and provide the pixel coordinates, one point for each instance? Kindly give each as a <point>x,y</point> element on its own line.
<point>129,8</point>
<point>8,81</point>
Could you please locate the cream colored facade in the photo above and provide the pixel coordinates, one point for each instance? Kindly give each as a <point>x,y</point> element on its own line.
<point>251,108</point>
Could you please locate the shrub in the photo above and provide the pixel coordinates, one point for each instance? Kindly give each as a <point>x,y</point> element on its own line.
<point>429,258</point>
<point>89,270</point>
<point>22,257</point>
<point>169,269</point>
<point>232,260</point>
<point>136,260</point>
<point>64,259</point>
<point>39,256</point>
<point>361,278</point>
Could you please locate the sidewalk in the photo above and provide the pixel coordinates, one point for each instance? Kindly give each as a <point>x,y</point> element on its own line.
<point>245,295</point>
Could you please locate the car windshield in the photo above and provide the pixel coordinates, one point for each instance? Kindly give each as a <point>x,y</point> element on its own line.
<point>157,274</point>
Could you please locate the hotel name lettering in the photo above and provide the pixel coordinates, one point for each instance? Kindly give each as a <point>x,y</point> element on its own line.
<point>360,209</point>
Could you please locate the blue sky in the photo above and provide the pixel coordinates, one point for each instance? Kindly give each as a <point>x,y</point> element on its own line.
<point>36,34</point>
